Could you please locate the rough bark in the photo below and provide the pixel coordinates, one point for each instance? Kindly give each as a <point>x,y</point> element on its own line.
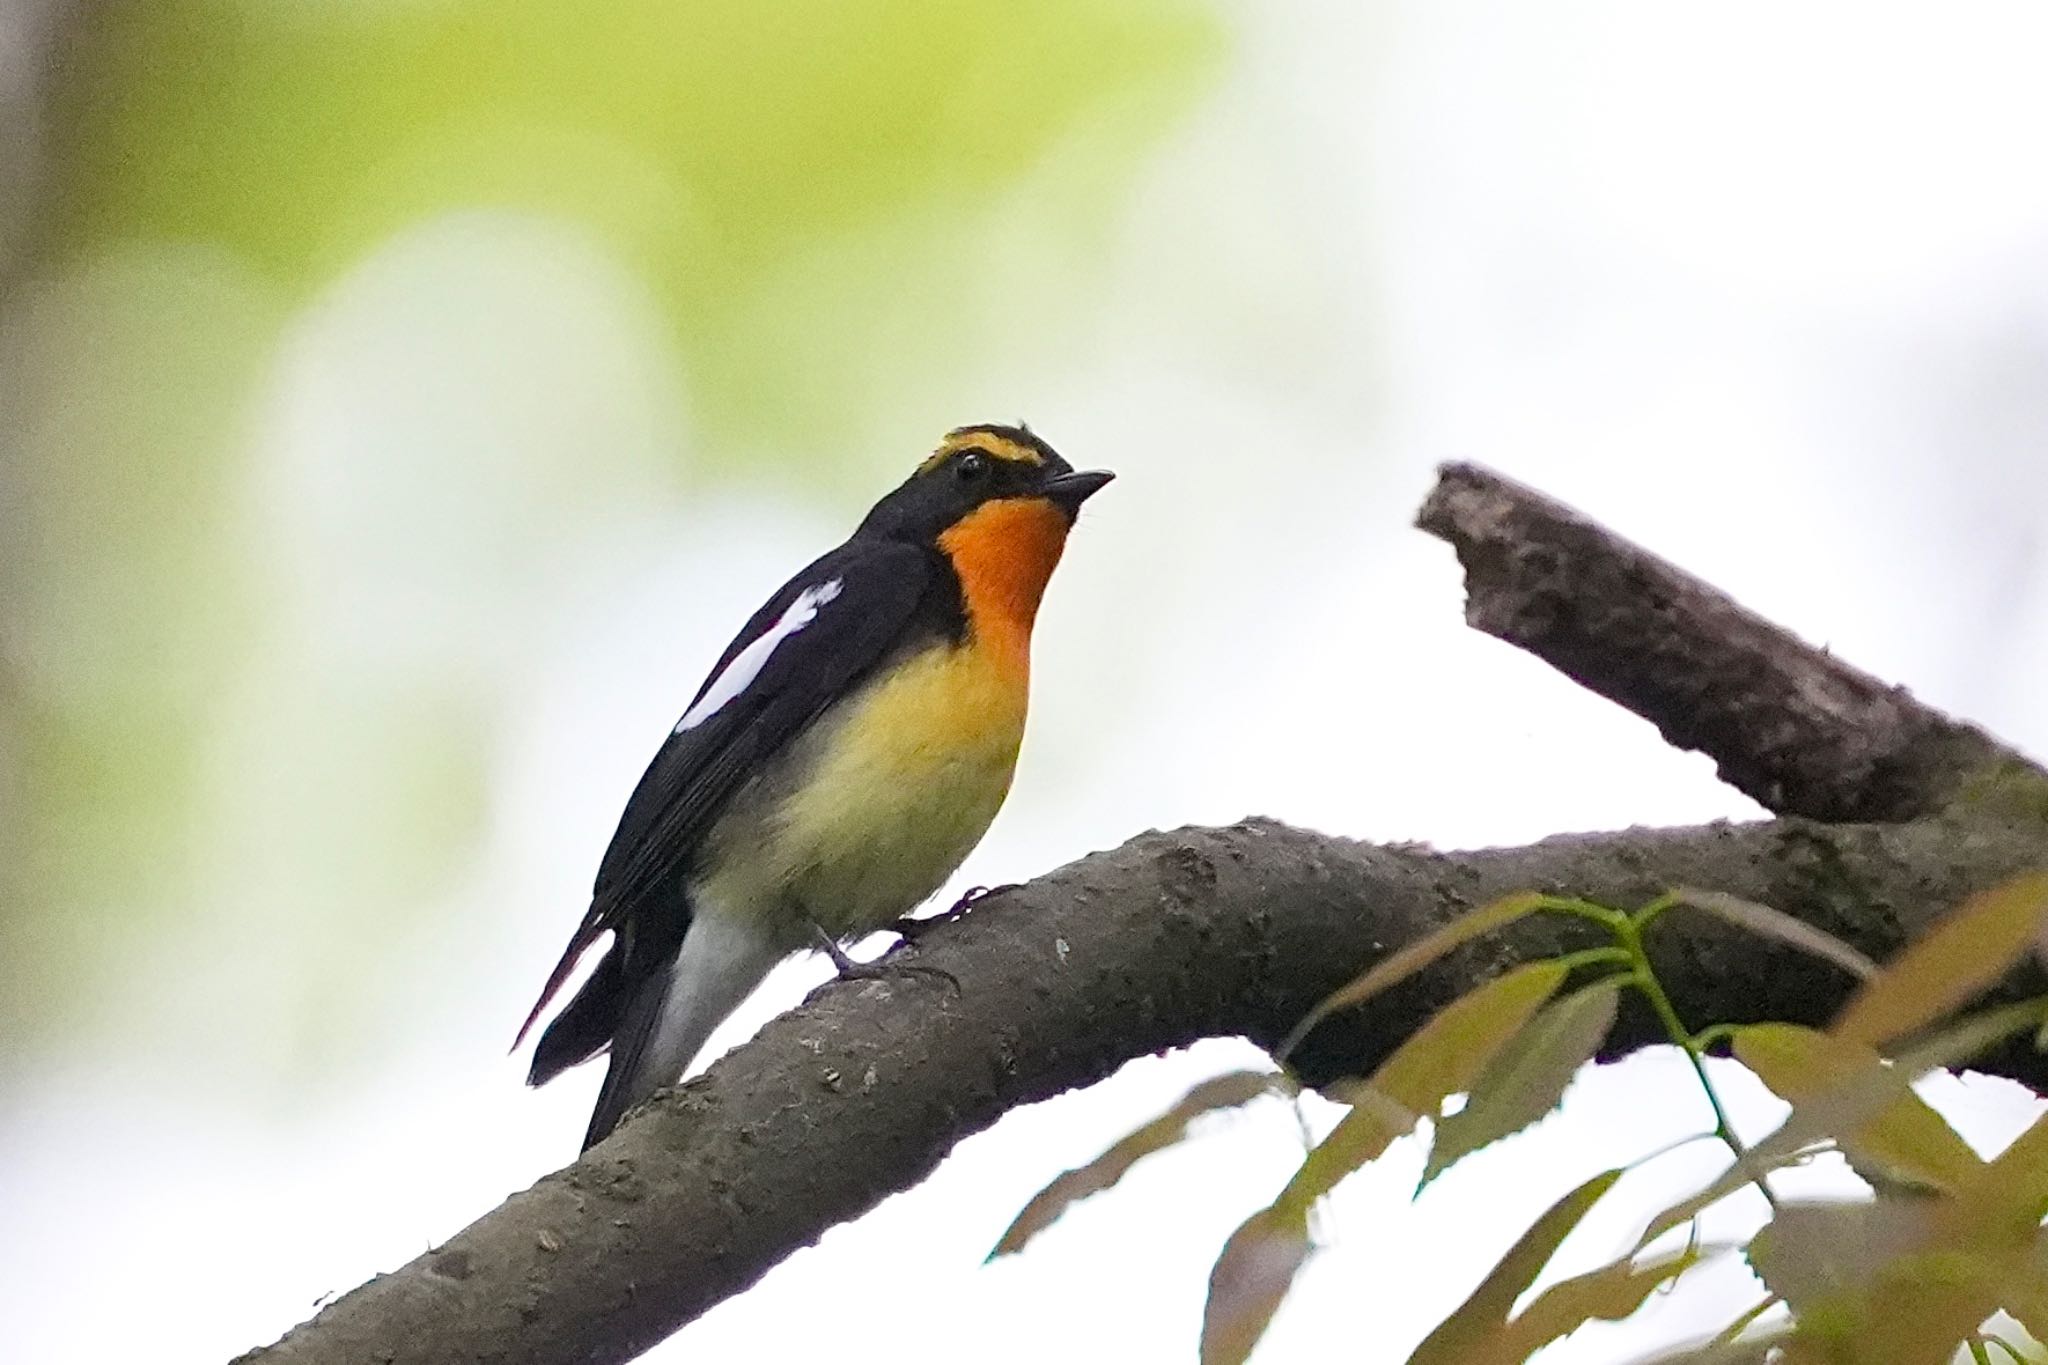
<point>1799,730</point>
<point>1207,932</point>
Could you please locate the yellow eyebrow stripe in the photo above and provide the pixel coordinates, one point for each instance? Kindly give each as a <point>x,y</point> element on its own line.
<point>1002,447</point>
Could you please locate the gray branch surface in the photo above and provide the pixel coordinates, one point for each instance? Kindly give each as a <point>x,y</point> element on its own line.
<point>1216,932</point>
<point>1800,731</point>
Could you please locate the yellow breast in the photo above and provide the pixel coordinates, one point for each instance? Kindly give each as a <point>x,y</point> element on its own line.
<point>897,789</point>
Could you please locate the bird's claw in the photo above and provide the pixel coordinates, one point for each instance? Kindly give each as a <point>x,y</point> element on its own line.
<point>880,970</point>
<point>910,930</point>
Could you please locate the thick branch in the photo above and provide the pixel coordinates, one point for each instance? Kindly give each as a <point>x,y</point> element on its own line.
<point>1171,938</point>
<point>1794,727</point>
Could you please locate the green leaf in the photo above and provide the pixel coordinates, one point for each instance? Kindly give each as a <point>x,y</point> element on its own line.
<point>2028,1305</point>
<point>1907,1141</point>
<point>1765,922</point>
<point>1405,962</point>
<point>1441,1058</point>
<point>1978,1251</point>
<point>1848,1106</point>
<point>1375,1122</point>
<point>2005,1202</point>
<point>1923,1306</point>
<point>1447,1055</point>
<point>1814,1252</point>
<point>1608,1294</point>
<point>1255,1269</point>
<point>1218,1092</point>
<point>1528,1077</point>
<point>1250,1279</point>
<point>1458,1336</point>
<point>1960,957</point>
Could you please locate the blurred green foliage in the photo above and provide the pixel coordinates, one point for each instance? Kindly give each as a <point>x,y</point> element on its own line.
<point>716,148</point>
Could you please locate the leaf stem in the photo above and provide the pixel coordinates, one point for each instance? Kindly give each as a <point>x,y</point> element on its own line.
<point>1591,957</point>
<point>1712,1034</point>
<point>1644,977</point>
<point>1990,1339</point>
<point>1602,915</point>
<point>1670,1147</point>
<point>1650,913</point>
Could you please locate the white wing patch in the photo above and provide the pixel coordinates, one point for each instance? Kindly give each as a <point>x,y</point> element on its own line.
<point>748,663</point>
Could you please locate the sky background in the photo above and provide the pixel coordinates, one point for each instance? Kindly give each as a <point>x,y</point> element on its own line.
<point>404,401</point>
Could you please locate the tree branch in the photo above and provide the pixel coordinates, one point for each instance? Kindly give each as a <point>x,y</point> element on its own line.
<point>1798,730</point>
<point>1171,938</point>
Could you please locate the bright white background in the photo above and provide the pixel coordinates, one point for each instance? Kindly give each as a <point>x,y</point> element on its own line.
<point>1764,286</point>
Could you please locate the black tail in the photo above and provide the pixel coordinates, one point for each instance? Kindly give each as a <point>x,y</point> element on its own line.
<point>673,1007</point>
<point>654,999</point>
<point>626,1081</point>
<point>586,1024</point>
<point>608,1012</point>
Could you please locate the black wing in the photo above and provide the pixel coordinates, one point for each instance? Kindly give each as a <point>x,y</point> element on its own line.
<point>696,771</point>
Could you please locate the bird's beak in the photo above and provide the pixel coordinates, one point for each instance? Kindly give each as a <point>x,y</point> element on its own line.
<point>1069,491</point>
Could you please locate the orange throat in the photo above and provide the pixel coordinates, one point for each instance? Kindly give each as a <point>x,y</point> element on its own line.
<point>1004,552</point>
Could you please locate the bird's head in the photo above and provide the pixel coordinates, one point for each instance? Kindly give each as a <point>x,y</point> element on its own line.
<point>997,502</point>
<point>952,492</point>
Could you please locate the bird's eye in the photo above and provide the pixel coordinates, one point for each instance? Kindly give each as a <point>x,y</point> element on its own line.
<point>972,467</point>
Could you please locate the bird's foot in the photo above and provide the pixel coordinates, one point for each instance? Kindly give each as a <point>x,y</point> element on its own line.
<point>850,970</point>
<point>910,930</point>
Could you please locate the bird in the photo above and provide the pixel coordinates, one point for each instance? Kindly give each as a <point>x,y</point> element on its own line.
<point>845,754</point>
